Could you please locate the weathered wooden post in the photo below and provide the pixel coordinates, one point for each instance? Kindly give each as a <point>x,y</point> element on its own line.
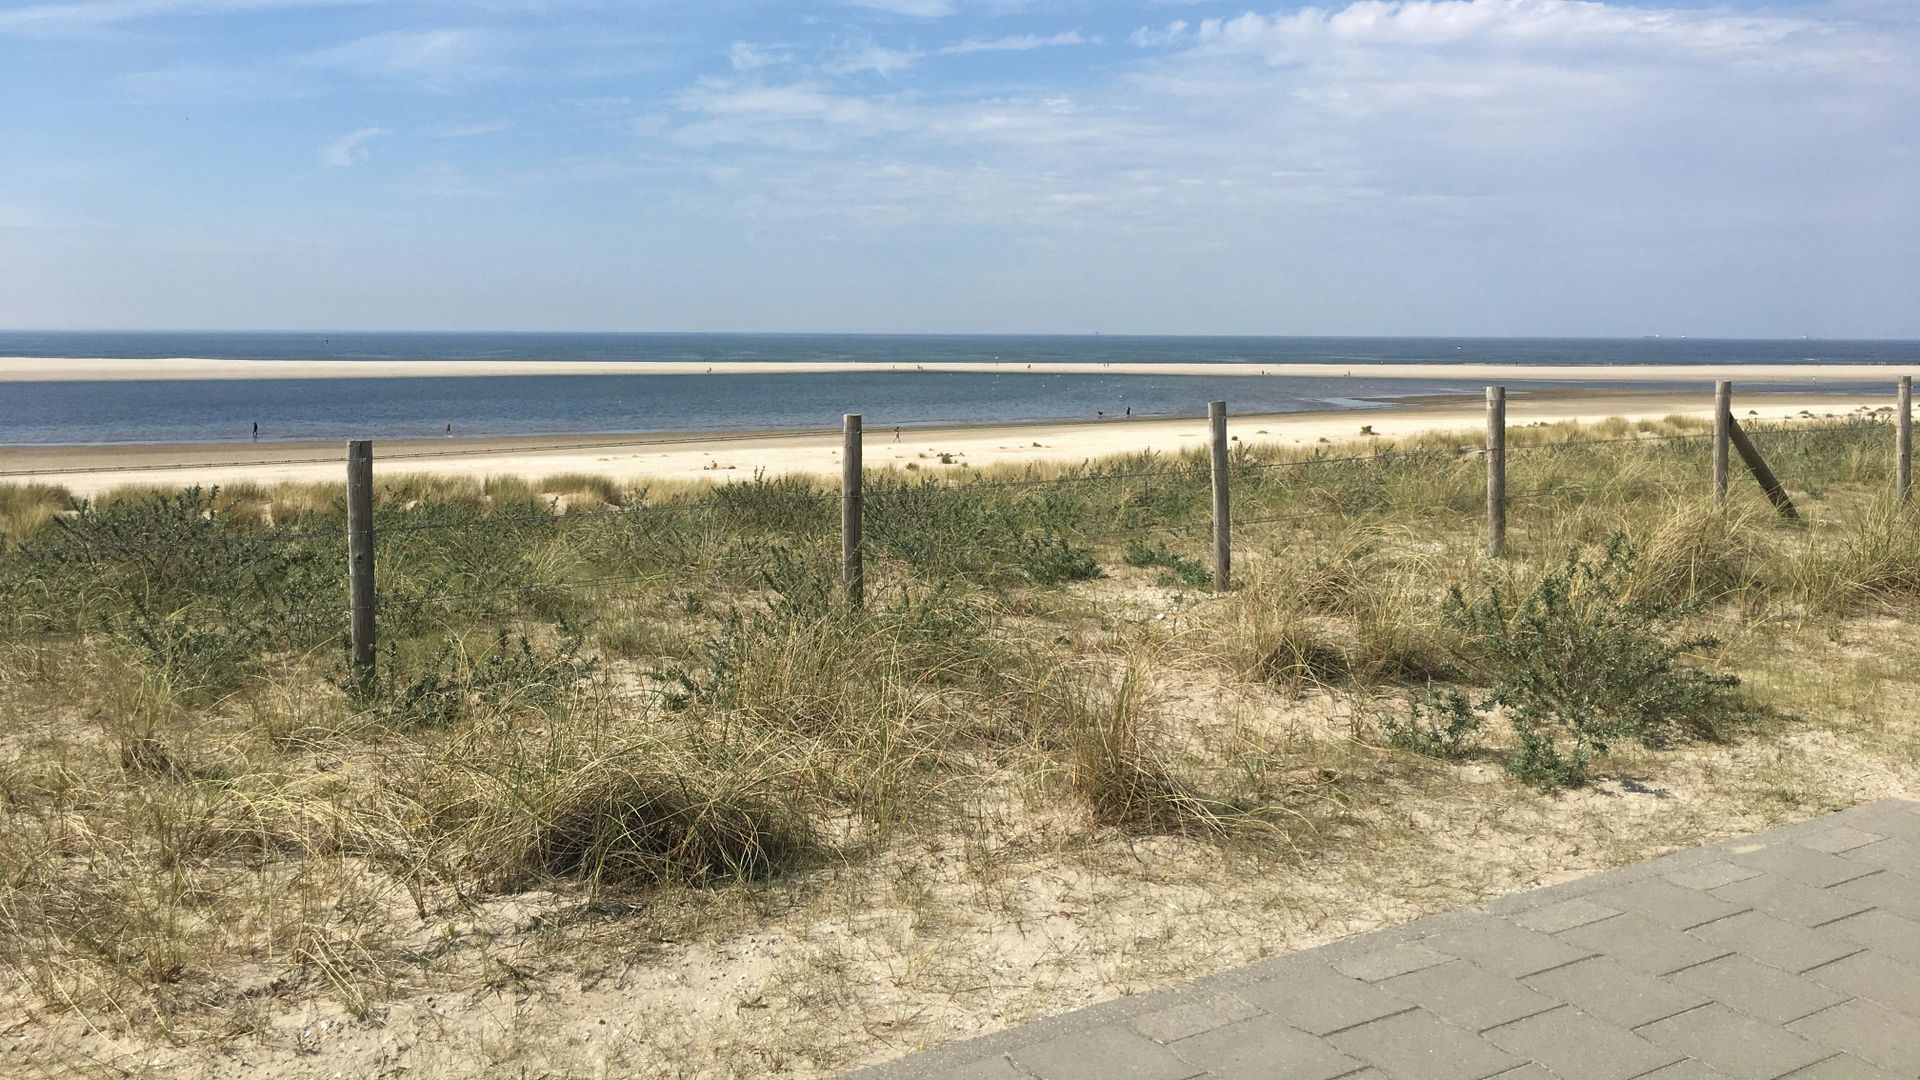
<point>360,559</point>
<point>1722,439</point>
<point>1496,471</point>
<point>1903,441</point>
<point>1222,522</point>
<point>852,573</point>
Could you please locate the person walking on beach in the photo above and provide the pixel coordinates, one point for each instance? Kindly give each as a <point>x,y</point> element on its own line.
<point>256,431</point>
<point>449,429</point>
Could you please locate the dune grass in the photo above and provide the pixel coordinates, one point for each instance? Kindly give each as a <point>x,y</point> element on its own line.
<point>650,698</point>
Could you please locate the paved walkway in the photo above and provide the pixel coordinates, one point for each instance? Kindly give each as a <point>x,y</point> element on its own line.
<point>1793,953</point>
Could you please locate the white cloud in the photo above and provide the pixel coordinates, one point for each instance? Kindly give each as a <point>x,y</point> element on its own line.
<point>83,15</point>
<point>746,56</point>
<point>919,9</point>
<point>438,57</point>
<point>348,149</point>
<point>468,131</point>
<point>1016,43</point>
<point>855,57</point>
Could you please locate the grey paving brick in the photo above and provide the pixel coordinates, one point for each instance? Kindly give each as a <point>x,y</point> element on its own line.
<point>1839,838</point>
<point>1892,819</point>
<point>1882,931</point>
<point>1670,905</point>
<point>1876,978</point>
<point>1893,853</point>
<point>1802,864</point>
<point>1418,1044</point>
<point>993,1068</point>
<point>1608,989</point>
<point>1841,1067</point>
<point>1888,889</point>
<point>1867,1031</point>
<point>1109,1052</point>
<point>1265,1049</point>
<point>1762,992</point>
<point>1639,942</point>
<point>1190,1014</point>
<point>1775,941</point>
<point>1529,1071</point>
<point>1579,1047</point>
<point>1786,899</point>
<point>1315,998</point>
<point>1506,948</point>
<point>1388,962</point>
<point>1565,915</point>
<point>1468,995</point>
<point>1739,1046</point>
<point>1711,875</point>
<point>1684,1070</point>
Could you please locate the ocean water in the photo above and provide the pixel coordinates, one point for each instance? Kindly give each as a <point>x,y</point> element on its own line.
<point>388,408</point>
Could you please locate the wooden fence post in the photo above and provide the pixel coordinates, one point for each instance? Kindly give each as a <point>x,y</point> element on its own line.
<point>1222,522</point>
<point>1496,471</point>
<point>1722,439</point>
<point>1903,441</point>
<point>852,573</point>
<point>1769,483</point>
<point>360,559</point>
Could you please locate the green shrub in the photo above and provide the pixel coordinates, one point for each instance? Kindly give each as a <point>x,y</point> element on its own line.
<point>1576,664</point>
<point>1179,570</point>
<point>1048,559</point>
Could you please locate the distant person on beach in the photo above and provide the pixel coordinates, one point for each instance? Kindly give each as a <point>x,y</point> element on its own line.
<point>896,434</point>
<point>449,429</point>
<point>256,431</point>
<point>1129,410</point>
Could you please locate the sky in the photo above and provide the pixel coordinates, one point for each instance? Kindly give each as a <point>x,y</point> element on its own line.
<point>1495,167</point>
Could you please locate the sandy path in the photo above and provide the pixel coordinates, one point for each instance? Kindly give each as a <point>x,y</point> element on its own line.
<point>86,369</point>
<point>90,470</point>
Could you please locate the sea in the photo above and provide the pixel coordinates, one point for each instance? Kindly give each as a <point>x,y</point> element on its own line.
<point>161,411</point>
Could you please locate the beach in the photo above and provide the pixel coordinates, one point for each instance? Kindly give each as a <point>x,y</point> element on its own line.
<point>720,456</point>
<point>94,369</point>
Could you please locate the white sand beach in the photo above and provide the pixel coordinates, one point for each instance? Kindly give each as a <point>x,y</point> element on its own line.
<point>89,470</point>
<point>87,369</point>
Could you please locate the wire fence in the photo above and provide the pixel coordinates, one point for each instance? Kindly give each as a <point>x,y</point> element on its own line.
<point>435,562</point>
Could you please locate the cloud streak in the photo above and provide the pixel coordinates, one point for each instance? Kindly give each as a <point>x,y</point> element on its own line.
<point>349,149</point>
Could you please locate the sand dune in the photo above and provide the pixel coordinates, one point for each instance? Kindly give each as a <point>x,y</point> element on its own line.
<point>83,369</point>
<point>90,470</point>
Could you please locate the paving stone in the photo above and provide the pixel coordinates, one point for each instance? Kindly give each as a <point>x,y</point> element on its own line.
<point>1711,875</point>
<point>1684,1070</point>
<point>1802,864</point>
<point>1110,1052</point>
<point>1418,1044</point>
<point>1896,892</point>
<point>1839,838</point>
<point>1882,931</point>
<point>1315,998</point>
<point>1564,915</point>
<point>1796,903</point>
<point>1579,1047</point>
<point>1893,820</point>
<point>1608,989</point>
<point>1867,1031</point>
<point>1775,941</point>
<point>1762,992</point>
<point>1639,942</point>
<point>1893,853</point>
<point>1193,1015</point>
<point>1670,905</point>
<point>1875,977</point>
<point>1388,962</point>
<point>1840,1067</point>
<point>1739,1046</point>
<point>1468,995</point>
<point>993,1068</point>
<point>1265,1049</point>
<point>1505,948</point>
<point>1529,1071</point>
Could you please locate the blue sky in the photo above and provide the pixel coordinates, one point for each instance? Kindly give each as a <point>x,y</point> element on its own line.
<point>1428,166</point>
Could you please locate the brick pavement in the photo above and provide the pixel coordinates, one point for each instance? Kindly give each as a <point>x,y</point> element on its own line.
<point>1792,953</point>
